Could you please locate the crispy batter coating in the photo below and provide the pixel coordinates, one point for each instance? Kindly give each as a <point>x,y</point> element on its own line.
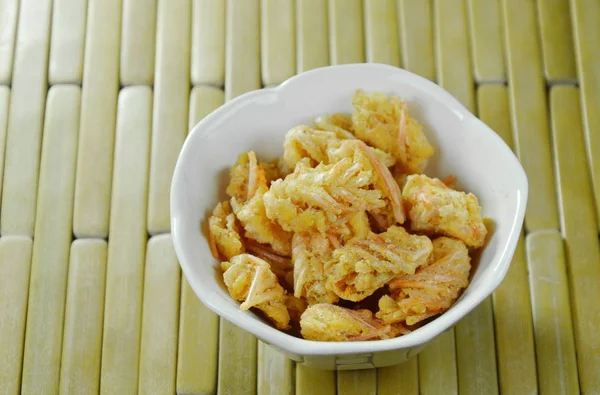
<point>240,174</point>
<point>432,289</point>
<point>321,147</point>
<point>362,266</point>
<point>339,123</point>
<point>225,239</point>
<point>309,252</point>
<point>324,196</point>
<point>250,280</point>
<point>253,216</point>
<point>435,208</point>
<point>304,142</point>
<point>383,122</point>
<point>328,322</point>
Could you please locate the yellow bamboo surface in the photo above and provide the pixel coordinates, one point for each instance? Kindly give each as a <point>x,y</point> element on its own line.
<point>96,99</point>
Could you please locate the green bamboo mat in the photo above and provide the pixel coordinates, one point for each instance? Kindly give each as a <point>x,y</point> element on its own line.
<point>96,99</point>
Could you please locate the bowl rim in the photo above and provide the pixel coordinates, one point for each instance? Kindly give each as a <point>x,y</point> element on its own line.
<point>301,346</point>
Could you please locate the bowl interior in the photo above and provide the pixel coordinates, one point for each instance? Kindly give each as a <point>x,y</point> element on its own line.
<point>258,121</point>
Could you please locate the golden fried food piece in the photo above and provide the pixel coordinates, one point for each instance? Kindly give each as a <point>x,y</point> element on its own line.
<point>304,142</point>
<point>362,266</point>
<point>224,232</point>
<point>435,208</point>
<point>384,123</point>
<point>241,173</point>
<point>252,214</point>
<point>250,280</point>
<point>384,181</point>
<point>280,265</point>
<point>324,196</point>
<point>432,289</point>
<point>340,124</point>
<point>321,147</point>
<point>309,252</point>
<point>328,322</point>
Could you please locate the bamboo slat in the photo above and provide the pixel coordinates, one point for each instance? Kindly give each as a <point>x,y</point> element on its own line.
<point>158,349</point>
<point>9,13</point>
<point>557,41</point>
<point>552,320</point>
<point>452,51</point>
<point>275,372</point>
<point>401,379</point>
<point>585,17</point>
<point>84,315</point>
<point>311,381</point>
<point>98,114</point>
<point>138,42</point>
<point>242,66</point>
<point>237,360</point>
<point>198,345</point>
<point>198,326</point>
<point>4,105</point>
<point>346,38</point>
<point>511,301</point>
<point>25,118</point>
<point>278,40</point>
<point>171,102</point>
<point>415,19</point>
<point>579,227</point>
<point>437,366</point>
<point>312,39</point>
<point>357,382</point>
<point>52,241</point>
<point>15,264</point>
<point>67,42</point>
<point>237,348</point>
<point>514,330</point>
<point>486,40</point>
<point>476,351</point>
<point>208,42</point>
<point>127,245</point>
<point>529,113</point>
<point>381,32</point>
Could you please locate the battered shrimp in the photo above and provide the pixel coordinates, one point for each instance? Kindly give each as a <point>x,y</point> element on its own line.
<point>324,196</point>
<point>328,322</point>
<point>251,281</point>
<point>252,214</point>
<point>432,289</point>
<point>384,123</point>
<point>303,142</point>
<point>363,266</point>
<point>309,252</point>
<point>224,232</point>
<point>435,208</point>
<point>320,146</point>
<point>242,174</point>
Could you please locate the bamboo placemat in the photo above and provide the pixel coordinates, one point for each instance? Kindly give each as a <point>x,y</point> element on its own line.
<point>96,99</point>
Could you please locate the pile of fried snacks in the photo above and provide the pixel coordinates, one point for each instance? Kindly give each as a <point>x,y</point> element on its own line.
<point>343,238</point>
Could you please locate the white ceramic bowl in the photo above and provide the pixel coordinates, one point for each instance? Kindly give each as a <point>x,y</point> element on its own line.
<point>465,147</point>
